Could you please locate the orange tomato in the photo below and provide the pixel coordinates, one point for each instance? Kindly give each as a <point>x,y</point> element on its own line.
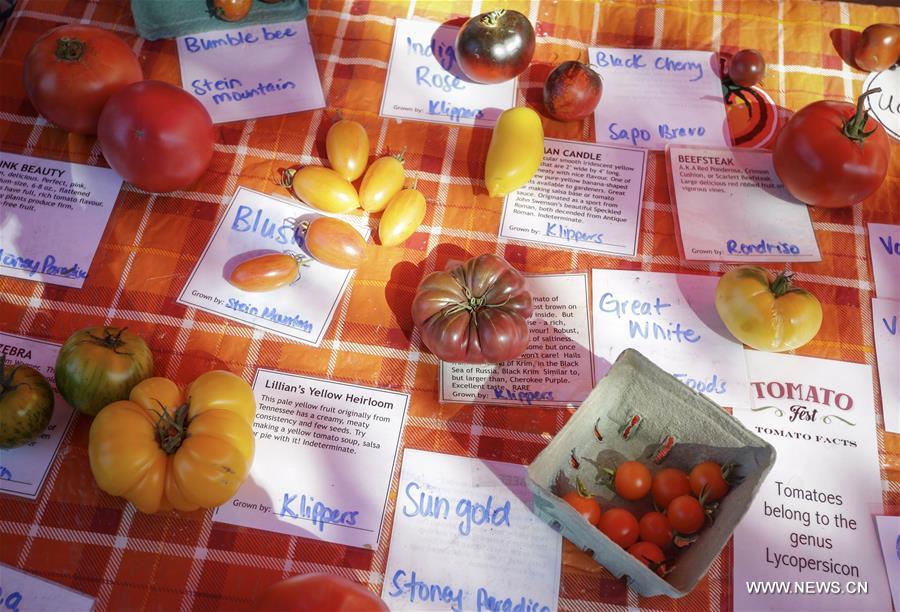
<point>334,243</point>
<point>402,217</point>
<point>265,273</point>
<point>323,188</point>
<point>232,10</point>
<point>347,146</point>
<point>708,480</point>
<point>382,181</point>
<point>588,507</point>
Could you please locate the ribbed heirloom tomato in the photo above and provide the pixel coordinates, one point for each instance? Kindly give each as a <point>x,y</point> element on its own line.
<point>26,404</point>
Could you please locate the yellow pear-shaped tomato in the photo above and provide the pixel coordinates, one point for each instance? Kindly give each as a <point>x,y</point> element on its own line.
<point>335,243</point>
<point>768,316</point>
<point>382,181</point>
<point>515,152</point>
<point>163,448</point>
<point>325,189</point>
<point>402,216</point>
<point>347,145</point>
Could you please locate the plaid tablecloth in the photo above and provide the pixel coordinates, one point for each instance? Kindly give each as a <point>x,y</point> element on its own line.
<point>78,536</point>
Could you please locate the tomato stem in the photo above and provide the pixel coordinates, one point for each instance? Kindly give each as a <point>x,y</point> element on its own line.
<point>69,49</point>
<point>112,339</point>
<point>582,490</point>
<point>492,18</point>
<point>855,127</point>
<point>781,284</point>
<point>171,431</point>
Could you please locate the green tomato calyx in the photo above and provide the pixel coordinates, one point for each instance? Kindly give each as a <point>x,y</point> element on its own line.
<point>855,127</point>
<point>171,430</point>
<point>781,284</point>
<point>493,18</point>
<point>111,339</point>
<point>69,49</point>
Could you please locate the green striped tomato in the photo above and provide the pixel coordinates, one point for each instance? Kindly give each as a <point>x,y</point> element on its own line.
<point>26,404</point>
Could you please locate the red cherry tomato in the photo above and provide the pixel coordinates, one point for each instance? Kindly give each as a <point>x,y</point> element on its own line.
<point>318,592</point>
<point>588,507</point>
<point>620,526</point>
<point>335,243</point>
<point>649,554</point>
<point>706,479</point>
<point>655,528</point>
<point>632,480</point>
<point>265,273</point>
<point>668,484</point>
<point>685,514</point>
<point>747,68</point>
<point>232,10</point>
<point>572,91</point>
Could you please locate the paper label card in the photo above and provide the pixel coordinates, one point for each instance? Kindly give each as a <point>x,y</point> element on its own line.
<point>464,538</point>
<point>425,83</point>
<point>883,106</point>
<point>556,368</point>
<point>672,320</point>
<point>584,196</point>
<point>43,204</point>
<point>731,206</point>
<point>257,224</point>
<point>256,71</point>
<point>343,437</point>
<point>23,592</point>
<point>889,535</point>
<point>808,541</point>
<point>652,98</point>
<point>885,317</point>
<point>884,246</point>
<point>24,469</point>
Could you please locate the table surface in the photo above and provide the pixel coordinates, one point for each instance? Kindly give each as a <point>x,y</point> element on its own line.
<point>78,536</point>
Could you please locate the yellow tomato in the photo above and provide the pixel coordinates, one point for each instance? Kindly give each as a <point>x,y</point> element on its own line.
<point>402,216</point>
<point>382,181</point>
<point>163,448</point>
<point>347,145</point>
<point>515,152</point>
<point>768,316</point>
<point>325,189</point>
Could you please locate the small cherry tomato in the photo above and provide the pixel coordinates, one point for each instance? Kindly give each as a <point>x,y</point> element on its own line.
<point>649,554</point>
<point>632,480</point>
<point>265,272</point>
<point>382,181</point>
<point>322,188</point>
<point>347,145</point>
<point>707,479</point>
<point>588,507</point>
<point>231,10</point>
<point>668,484</point>
<point>334,243</point>
<point>878,47</point>
<point>402,217</point>
<point>620,526</point>
<point>572,91</point>
<point>747,68</point>
<point>655,528</point>
<point>685,514</point>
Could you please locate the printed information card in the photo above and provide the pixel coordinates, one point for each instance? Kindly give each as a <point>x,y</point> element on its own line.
<point>652,98</point>
<point>24,469</point>
<point>43,204</point>
<point>885,314</point>
<point>672,320</point>
<point>556,368</point>
<point>325,454</point>
<point>26,593</point>
<point>731,206</point>
<point>584,196</point>
<point>251,72</point>
<point>812,520</point>
<point>464,538</point>
<point>425,83</point>
<point>257,224</point>
<point>884,246</point>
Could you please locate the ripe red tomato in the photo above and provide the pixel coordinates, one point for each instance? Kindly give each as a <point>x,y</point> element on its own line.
<point>572,91</point>
<point>632,480</point>
<point>232,10</point>
<point>747,68</point>
<point>495,47</point>
<point>685,514</point>
<point>878,47</point>
<point>668,484</point>
<point>649,554</point>
<point>71,71</point>
<point>655,528</point>
<point>588,507</point>
<point>707,479</point>
<point>317,592</point>
<point>825,155</point>
<point>620,526</point>
<point>265,272</point>
<point>156,136</point>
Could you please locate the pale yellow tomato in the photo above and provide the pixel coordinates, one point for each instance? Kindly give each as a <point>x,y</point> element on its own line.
<point>382,181</point>
<point>515,152</point>
<point>347,145</point>
<point>325,189</point>
<point>402,216</point>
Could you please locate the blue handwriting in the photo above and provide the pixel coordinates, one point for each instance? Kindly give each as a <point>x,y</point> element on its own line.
<point>714,385</point>
<point>605,59</point>
<point>444,54</point>
<point>248,219</point>
<point>35,265</point>
<point>485,601</point>
<point>558,230</point>
<point>12,600</point>
<point>892,326</point>
<point>763,247</point>
<point>890,245</point>
<point>444,82</point>
<point>419,590</point>
<point>471,512</point>
<point>195,44</point>
<point>455,113</point>
<point>670,332</point>
<point>523,396</point>
<point>319,513</point>
<point>634,135</point>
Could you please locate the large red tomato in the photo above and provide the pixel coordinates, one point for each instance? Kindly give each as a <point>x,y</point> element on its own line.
<point>156,136</point>
<point>71,71</point>
<point>317,593</point>
<point>474,313</point>
<point>832,155</point>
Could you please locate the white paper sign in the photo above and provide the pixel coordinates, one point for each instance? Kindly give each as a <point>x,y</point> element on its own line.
<point>556,368</point>
<point>23,469</point>
<point>584,196</point>
<point>425,83</point>
<point>883,106</point>
<point>256,224</point>
<point>21,592</point>
<point>884,246</point>
<point>672,319</point>
<point>44,204</point>
<point>325,454</point>
<point>654,97</point>
<point>256,71</point>
<point>809,532</point>
<point>731,206</point>
<point>889,535</point>
<point>885,317</point>
<point>464,538</point>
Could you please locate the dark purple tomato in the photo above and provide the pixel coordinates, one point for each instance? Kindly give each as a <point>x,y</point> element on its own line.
<point>572,91</point>
<point>495,47</point>
<point>747,67</point>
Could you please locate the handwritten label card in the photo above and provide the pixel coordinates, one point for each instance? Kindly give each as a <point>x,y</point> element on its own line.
<point>885,317</point>
<point>556,368</point>
<point>889,535</point>
<point>652,98</point>
<point>23,469</point>
<point>257,224</point>
<point>731,206</point>
<point>425,83</point>
<point>811,521</point>
<point>43,204</point>
<point>884,106</point>
<point>324,458</point>
<point>672,319</point>
<point>464,538</point>
<point>884,246</point>
<point>21,591</point>
<point>584,196</point>
<point>257,71</point>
